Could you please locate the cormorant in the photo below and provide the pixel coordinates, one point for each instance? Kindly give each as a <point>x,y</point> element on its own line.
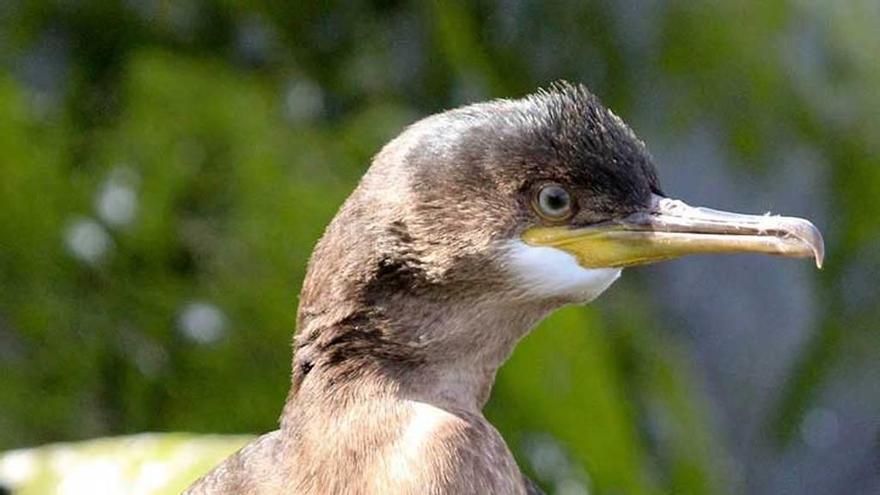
<point>467,229</point>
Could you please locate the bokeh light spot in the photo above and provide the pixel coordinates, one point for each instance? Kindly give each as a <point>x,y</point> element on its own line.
<point>202,323</point>
<point>87,240</point>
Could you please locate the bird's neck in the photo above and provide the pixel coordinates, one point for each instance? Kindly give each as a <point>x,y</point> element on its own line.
<point>436,352</point>
<point>404,389</point>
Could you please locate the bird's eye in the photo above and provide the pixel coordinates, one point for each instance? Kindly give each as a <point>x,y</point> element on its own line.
<point>553,202</point>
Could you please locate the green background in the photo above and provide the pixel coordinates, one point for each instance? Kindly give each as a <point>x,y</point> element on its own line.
<point>166,168</point>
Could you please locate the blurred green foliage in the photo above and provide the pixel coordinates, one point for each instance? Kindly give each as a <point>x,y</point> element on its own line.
<point>142,464</point>
<point>166,168</point>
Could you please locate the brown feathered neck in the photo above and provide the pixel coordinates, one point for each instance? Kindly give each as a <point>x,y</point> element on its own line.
<point>380,316</point>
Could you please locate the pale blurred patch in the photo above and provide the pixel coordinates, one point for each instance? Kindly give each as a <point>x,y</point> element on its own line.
<point>146,464</point>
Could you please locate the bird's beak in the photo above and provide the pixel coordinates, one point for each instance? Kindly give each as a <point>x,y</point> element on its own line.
<point>671,229</point>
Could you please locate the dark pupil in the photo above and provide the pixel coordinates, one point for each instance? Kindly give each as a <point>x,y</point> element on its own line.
<point>556,199</point>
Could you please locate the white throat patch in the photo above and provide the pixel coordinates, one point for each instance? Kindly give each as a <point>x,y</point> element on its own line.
<point>546,272</point>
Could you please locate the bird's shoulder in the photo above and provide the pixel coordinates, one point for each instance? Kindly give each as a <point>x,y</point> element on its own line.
<point>252,470</point>
<point>448,451</point>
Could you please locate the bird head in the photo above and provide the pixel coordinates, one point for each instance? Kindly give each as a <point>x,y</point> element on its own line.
<point>548,196</point>
<point>533,202</point>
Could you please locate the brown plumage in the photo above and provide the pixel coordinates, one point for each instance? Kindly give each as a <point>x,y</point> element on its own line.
<point>413,301</point>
